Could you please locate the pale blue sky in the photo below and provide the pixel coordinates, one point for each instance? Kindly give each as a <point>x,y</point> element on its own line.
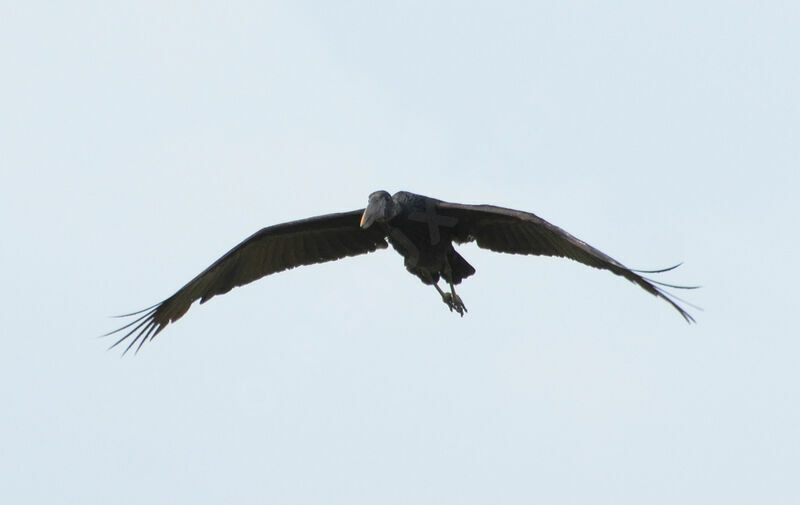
<point>140,141</point>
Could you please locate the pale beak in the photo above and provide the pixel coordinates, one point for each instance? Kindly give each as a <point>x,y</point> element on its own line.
<point>363,218</point>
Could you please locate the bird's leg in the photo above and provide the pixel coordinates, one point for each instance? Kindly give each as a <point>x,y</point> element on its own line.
<point>456,302</point>
<point>446,298</point>
<point>452,299</point>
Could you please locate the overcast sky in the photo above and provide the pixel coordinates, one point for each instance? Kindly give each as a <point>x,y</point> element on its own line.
<point>139,141</point>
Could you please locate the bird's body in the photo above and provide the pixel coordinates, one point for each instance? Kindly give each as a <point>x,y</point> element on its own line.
<point>422,229</point>
<point>425,240</point>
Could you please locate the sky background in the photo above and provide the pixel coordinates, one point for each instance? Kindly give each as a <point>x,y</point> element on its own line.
<point>140,141</point>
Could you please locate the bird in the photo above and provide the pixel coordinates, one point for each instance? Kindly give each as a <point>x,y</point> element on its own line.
<point>421,229</point>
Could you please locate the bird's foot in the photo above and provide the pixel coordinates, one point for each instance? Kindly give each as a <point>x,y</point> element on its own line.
<point>454,302</point>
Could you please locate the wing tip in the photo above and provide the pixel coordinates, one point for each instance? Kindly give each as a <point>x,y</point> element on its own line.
<point>143,328</point>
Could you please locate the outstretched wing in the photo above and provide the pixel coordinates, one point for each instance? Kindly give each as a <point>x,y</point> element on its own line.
<point>517,232</point>
<point>272,249</point>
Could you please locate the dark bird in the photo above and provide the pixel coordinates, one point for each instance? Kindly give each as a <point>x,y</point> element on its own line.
<point>421,229</point>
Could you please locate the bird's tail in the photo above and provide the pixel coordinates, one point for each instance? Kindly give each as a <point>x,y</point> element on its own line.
<point>459,266</point>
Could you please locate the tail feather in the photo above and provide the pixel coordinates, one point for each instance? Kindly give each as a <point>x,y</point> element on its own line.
<point>459,266</point>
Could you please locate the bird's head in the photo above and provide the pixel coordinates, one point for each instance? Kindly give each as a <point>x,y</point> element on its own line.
<point>380,208</point>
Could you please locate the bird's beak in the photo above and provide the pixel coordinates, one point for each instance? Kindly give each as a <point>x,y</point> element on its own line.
<point>367,218</point>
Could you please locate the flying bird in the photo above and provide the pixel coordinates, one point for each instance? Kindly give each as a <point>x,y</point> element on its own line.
<point>420,228</point>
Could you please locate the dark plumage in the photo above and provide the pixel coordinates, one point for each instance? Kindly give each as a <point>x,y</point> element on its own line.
<point>421,229</point>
